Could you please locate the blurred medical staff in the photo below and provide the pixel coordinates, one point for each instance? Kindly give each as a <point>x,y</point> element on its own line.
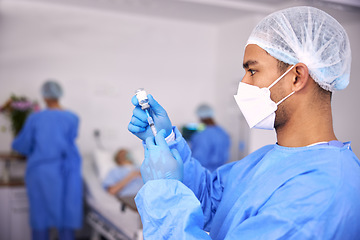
<point>306,186</point>
<point>53,173</point>
<point>210,146</point>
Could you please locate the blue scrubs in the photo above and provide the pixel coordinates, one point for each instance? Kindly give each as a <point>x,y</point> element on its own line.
<point>119,173</point>
<point>53,173</point>
<point>211,147</point>
<point>274,193</point>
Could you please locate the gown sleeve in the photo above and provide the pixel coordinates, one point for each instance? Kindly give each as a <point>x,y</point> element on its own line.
<point>170,209</point>
<point>24,141</point>
<point>208,187</point>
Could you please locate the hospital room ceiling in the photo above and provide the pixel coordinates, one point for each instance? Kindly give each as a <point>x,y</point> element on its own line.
<point>201,11</point>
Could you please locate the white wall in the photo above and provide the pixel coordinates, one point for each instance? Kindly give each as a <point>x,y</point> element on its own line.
<point>101,58</point>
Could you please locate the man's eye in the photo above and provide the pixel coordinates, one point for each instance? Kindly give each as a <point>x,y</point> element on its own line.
<point>252,72</point>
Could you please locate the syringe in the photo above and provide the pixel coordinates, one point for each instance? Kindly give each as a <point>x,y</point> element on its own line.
<point>151,123</point>
<point>144,103</point>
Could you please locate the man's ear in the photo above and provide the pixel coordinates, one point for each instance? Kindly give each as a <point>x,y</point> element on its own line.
<point>301,77</point>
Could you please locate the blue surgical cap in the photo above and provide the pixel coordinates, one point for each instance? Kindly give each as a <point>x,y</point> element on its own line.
<point>310,36</point>
<point>204,111</point>
<point>51,90</point>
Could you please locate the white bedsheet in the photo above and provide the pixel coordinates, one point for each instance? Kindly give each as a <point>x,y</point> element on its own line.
<point>106,205</point>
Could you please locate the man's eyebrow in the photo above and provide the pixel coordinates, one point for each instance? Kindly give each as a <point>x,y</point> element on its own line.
<point>250,62</point>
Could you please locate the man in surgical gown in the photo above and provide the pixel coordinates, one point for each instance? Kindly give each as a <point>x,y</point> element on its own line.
<point>53,173</point>
<point>211,145</point>
<point>306,186</point>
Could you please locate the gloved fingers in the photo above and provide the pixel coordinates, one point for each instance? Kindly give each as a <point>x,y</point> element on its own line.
<point>135,101</point>
<point>160,139</point>
<point>146,154</point>
<point>176,155</point>
<point>150,142</point>
<point>135,129</point>
<point>155,106</point>
<point>145,171</point>
<point>138,122</point>
<point>145,168</point>
<point>140,114</point>
<point>178,159</point>
<point>145,162</point>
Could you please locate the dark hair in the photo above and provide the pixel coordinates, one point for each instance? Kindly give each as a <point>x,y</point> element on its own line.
<point>282,67</point>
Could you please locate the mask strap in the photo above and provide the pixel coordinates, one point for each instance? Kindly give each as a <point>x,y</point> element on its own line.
<point>277,104</point>
<point>281,77</point>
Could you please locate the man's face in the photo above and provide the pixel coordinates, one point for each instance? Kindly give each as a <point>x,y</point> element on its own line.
<point>261,70</point>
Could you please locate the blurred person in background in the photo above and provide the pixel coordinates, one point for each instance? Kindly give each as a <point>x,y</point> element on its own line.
<point>53,173</point>
<point>125,179</point>
<point>210,146</point>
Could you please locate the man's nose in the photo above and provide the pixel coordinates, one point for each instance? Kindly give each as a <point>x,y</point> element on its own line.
<point>245,79</point>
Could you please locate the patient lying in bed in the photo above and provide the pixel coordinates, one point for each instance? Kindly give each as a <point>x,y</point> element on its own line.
<point>125,179</point>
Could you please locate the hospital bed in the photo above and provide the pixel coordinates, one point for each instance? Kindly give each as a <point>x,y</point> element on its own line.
<point>109,216</point>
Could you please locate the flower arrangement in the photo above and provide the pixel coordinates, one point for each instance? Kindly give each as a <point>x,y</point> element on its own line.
<point>18,108</point>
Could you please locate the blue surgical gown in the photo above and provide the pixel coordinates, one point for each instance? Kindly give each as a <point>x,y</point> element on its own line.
<point>211,147</point>
<point>274,193</point>
<point>53,171</point>
<point>119,173</point>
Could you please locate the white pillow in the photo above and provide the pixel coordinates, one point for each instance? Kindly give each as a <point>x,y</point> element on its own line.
<point>104,162</point>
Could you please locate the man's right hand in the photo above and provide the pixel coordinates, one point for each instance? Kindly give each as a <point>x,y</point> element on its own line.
<point>160,162</point>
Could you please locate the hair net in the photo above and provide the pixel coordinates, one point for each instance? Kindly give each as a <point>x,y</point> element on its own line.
<point>51,90</point>
<point>204,111</point>
<point>310,36</point>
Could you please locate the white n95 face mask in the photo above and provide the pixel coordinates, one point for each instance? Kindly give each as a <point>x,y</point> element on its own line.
<point>256,105</point>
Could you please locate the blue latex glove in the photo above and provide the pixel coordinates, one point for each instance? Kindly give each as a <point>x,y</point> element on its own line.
<point>139,125</point>
<point>160,162</point>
